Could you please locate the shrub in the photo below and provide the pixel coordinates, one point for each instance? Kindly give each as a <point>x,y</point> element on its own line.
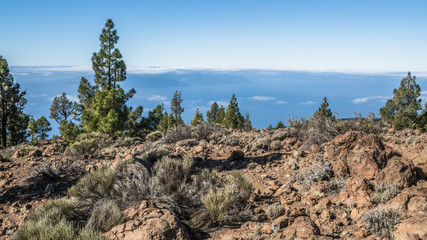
<point>177,133</point>
<point>318,172</point>
<point>125,142</point>
<point>275,145</point>
<point>261,143</point>
<point>384,191</point>
<point>203,131</point>
<point>104,216</point>
<point>218,203</point>
<point>48,171</point>
<point>243,184</point>
<point>155,154</point>
<point>170,173</point>
<point>230,141</point>
<point>88,143</point>
<point>210,177</point>
<point>93,186</point>
<point>154,136</point>
<point>56,219</point>
<point>380,221</point>
<point>275,210</point>
<point>336,185</point>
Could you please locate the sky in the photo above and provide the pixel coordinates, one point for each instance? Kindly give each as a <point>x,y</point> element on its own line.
<point>348,36</point>
<point>280,58</point>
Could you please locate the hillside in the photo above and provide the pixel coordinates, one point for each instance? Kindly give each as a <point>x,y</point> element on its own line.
<point>356,186</point>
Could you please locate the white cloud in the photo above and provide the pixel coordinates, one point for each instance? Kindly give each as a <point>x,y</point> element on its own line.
<point>366,99</point>
<point>423,93</point>
<point>157,98</point>
<point>42,95</point>
<point>308,102</point>
<point>70,97</point>
<point>281,102</point>
<point>262,98</point>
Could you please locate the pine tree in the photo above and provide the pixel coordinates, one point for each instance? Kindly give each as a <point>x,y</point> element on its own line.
<point>43,127</point>
<point>280,125</point>
<point>107,63</point>
<point>164,123</point>
<point>12,102</point>
<point>324,111</point>
<point>402,110</point>
<point>86,93</point>
<point>69,131</point>
<point>154,117</point>
<point>247,125</point>
<point>17,129</point>
<point>270,127</point>
<point>233,117</point>
<point>102,108</point>
<point>198,118</point>
<point>212,115</point>
<point>176,110</point>
<point>220,117</point>
<point>38,129</point>
<point>135,122</point>
<point>61,108</point>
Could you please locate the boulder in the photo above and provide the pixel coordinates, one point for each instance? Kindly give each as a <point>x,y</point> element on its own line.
<point>399,173</point>
<point>236,156</point>
<point>148,222</point>
<point>412,228</point>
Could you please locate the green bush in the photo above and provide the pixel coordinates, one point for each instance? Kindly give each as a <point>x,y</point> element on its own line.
<point>218,203</point>
<point>154,136</point>
<point>88,143</point>
<point>104,216</point>
<point>93,186</point>
<point>56,220</point>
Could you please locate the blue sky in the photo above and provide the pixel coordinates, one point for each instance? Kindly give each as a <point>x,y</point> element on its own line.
<point>356,36</point>
<point>279,57</point>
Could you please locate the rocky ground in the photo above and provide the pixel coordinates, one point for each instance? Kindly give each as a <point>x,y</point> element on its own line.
<point>326,191</point>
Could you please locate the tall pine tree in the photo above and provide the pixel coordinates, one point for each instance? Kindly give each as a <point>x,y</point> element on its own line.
<point>176,110</point>
<point>12,102</point>
<point>102,108</point>
<point>212,115</point>
<point>233,118</point>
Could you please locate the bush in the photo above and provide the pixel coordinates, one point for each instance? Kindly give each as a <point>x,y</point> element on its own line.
<point>243,184</point>
<point>384,191</point>
<point>336,185</point>
<point>93,186</point>
<point>261,143</point>
<point>380,221</point>
<point>320,171</point>
<point>126,142</point>
<point>104,216</point>
<point>203,130</point>
<point>275,210</point>
<point>230,141</point>
<point>131,184</point>
<point>88,143</point>
<point>275,145</point>
<point>56,219</point>
<point>48,171</point>
<point>177,133</point>
<point>154,154</point>
<point>154,136</point>
<point>171,173</point>
<point>218,203</point>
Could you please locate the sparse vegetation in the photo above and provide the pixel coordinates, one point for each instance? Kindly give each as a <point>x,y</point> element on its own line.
<point>384,191</point>
<point>275,210</point>
<point>380,221</point>
<point>321,171</point>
